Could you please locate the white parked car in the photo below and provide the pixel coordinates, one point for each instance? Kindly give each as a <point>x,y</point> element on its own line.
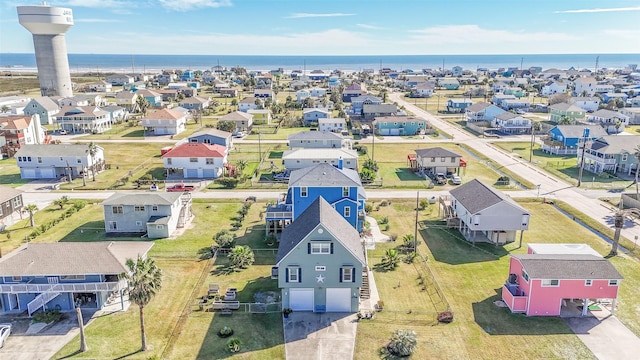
<point>5,331</point>
<point>456,180</point>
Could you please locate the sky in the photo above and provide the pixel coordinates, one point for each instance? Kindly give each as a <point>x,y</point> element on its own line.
<point>338,27</point>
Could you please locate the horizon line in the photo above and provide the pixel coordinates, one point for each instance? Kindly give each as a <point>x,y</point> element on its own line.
<point>337,55</point>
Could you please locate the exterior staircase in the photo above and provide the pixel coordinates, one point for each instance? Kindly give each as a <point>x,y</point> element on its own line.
<point>364,289</point>
<point>40,301</point>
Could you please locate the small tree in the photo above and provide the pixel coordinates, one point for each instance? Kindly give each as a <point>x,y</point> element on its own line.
<point>145,281</point>
<point>224,239</point>
<point>228,126</point>
<point>241,165</point>
<point>31,209</point>
<point>408,242</point>
<point>61,202</point>
<point>403,343</point>
<point>371,165</point>
<point>390,260</point>
<point>241,257</point>
<point>93,150</point>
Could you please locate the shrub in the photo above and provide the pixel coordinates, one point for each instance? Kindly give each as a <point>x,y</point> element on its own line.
<point>226,241</point>
<point>393,237</point>
<point>234,344</point>
<point>403,343</point>
<point>47,316</point>
<point>385,203</point>
<point>368,208</point>
<point>228,183</point>
<point>225,332</point>
<point>504,179</point>
<point>385,227</point>
<point>423,204</point>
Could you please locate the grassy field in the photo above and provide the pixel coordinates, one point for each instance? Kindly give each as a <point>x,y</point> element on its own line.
<point>472,277</point>
<point>564,167</point>
<point>10,173</point>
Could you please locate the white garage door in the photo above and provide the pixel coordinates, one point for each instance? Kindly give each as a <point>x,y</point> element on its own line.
<point>301,299</point>
<point>384,132</point>
<point>394,131</point>
<point>28,173</point>
<point>338,300</point>
<point>46,173</point>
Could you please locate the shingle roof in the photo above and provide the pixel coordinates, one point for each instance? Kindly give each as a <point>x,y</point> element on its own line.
<point>478,106</point>
<point>320,153</point>
<point>605,113</point>
<point>615,144</point>
<point>379,108</point>
<point>164,114</point>
<point>567,266</point>
<point>18,122</point>
<point>475,196</point>
<point>237,116</point>
<point>72,258</point>
<point>575,131</point>
<point>47,103</point>
<point>506,116</point>
<point>189,150</point>
<point>142,198</point>
<point>315,135</point>
<point>8,193</point>
<point>566,107</point>
<point>324,175</point>
<point>213,132</point>
<point>320,213</point>
<point>435,152</point>
<point>399,119</point>
<point>50,150</point>
<point>248,100</point>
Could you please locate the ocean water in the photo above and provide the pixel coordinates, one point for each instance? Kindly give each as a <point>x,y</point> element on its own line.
<point>139,63</point>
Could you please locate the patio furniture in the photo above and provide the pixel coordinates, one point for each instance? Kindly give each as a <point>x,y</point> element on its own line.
<point>230,294</point>
<point>214,289</point>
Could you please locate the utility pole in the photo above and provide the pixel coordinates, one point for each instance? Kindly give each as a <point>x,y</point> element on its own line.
<point>585,135</point>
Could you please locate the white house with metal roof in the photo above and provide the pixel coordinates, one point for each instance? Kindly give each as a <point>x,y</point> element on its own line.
<point>317,139</point>
<point>301,158</point>
<point>55,161</point>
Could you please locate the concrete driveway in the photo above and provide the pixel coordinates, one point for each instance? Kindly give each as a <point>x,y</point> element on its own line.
<point>39,342</point>
<point>311,336</point>
<point>605,336</point>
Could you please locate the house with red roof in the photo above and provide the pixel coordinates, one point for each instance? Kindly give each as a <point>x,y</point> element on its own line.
<point>195,161</point>
<point>164,122</point>
<point>21,130</point>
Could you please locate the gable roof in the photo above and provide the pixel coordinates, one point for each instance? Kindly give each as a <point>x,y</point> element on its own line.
<point>72,258</point>
<point>212,132</point>
<point>478,106</point>
<point>476,196</point>
<point>249,100</point>
<point>8,193</point>
<point>566,107</point>
<point>613,144</point>
<point>436,152</point>
<point>237,116</point>
<point>314,135</point>
<point>396,118</point>
<point>575,131</point>
<point>324,175</point>
<point>319,153</point>
<point>196,150</point>
<point>143,198</point>
<point>379,108</point>
<point>164,114</point>
<point>320,213</point>
<point>15,122</point>
<point>47,103</point>
<point>567,266</point>
<point>311,110</point>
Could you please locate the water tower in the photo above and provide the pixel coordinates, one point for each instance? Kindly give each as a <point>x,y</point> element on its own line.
<point>48,25</point>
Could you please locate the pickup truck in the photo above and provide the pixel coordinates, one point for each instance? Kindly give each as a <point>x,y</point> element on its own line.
<point>180,188</point>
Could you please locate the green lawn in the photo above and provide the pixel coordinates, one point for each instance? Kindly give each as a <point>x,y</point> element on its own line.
<point>10,173</point>
<point>282,133</point>
<point>564,167</point>
<point>471,279</point>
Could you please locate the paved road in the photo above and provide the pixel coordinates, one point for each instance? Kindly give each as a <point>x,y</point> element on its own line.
<point>550,186</point>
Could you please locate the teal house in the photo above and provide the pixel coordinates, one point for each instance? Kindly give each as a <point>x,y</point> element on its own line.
<point>399,125</point>
<point>320,262</point>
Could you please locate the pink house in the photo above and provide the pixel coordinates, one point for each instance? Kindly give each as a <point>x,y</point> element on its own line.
<point>542,284</point>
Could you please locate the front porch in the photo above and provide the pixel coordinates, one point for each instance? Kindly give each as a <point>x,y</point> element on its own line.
<point>278,217</point>
<point>558,148</point>
<point>514,297</point>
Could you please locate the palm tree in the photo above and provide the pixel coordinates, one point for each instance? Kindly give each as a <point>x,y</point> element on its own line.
<point>390,259</point>
<point>145,280</point>
<point>535,126</point>
<point>408,242</point>
<point>143,104</point>
<point>241,165</point>
<point>93,150</point>
<point>61,202</point>
<point>241,257</point>
<point>402,344</point>
<point>31,209</point>
<point>565,120</point>
<point>5,109</point>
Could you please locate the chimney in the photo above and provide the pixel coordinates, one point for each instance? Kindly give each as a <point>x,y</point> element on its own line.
<point>340,163</point>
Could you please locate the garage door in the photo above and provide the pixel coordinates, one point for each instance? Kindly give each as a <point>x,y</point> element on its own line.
<point>28,173</point>
<point>46,173</point>
<point>208,173</point>
<point>394,131</point>
<point>192,173</point>
<point>301,299</point>
<point>384,132</point>
<point>338,300</point>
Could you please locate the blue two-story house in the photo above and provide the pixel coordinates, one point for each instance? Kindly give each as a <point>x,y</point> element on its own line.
<point>212,136</point>
<point>320,262</point>
<point>565,139</point>
<point>340,187</point>
<point>66,275</point>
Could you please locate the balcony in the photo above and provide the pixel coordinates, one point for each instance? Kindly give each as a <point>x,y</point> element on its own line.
<point>514,297</point>
<point>598,158</point>
<point>279,212</point>
<point>61,287</point>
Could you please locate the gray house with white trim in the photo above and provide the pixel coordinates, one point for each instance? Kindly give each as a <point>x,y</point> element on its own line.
<point>55,161</point>
<point>320,262</point>
<point>156,214</point>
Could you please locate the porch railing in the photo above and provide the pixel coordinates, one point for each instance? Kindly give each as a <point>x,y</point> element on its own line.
<point>73,287</point>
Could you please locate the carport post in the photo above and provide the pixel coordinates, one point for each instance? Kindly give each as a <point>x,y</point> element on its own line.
<point>585,306</point>
<point>121,300</point>
<point>613,307</point>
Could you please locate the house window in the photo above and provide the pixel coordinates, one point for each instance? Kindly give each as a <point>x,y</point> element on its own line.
<point>442,159</point>
<point>345,191</point>
<point>159,227</point>
<point>293,274</point>
<point>72,277</point>
<point>116,209</point>
<point>138,208</point>
<point>320,247</point>
<point>303,191</point>
<point>113,225</point>
<point>138,223</point>
<point>433,159</point>
<point>193,159</point>
<point>17,202</point>
<point>16,278</point>
<point>613,282</point>
<point>209,161</point>
<point>39,160</point>
<point>525,276</point>
<point>29,158</point>
<point>168,161</point>
<point>550,282</point>
<point>347,274</point>
<point>79,161</point>
<point>347,212</point>
<point>453,159</point>
<point>154,208</point>
<point>624,157</point>
<point>588,282</point>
